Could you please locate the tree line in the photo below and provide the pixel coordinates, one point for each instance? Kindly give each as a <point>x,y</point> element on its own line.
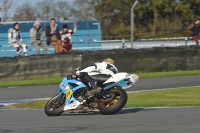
<point>153,18</point>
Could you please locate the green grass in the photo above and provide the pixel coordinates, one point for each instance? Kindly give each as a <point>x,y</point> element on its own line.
<point>57,80</point>
<point>157,98</point>
<point>168,74</point>
<point>165,98</point>
<point>33,82</point>
<point>31,105</point>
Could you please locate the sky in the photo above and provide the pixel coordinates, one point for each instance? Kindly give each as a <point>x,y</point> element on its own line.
<point>33,2</point>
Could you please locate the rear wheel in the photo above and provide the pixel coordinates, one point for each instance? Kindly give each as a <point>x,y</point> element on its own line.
<point>55,106</point>
<point>116,104</point>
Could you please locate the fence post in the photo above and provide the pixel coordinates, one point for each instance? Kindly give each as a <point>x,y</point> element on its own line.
<point>123,44</point>
<point>185,41</point>
<point>0,10</point>
<point>132,22</point>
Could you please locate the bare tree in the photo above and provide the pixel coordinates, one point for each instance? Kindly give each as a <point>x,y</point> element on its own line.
<point>6,5</point>
<point>83,9</point>
<point>25,13</point>
<point>44,9</point>
<point>61,9</point>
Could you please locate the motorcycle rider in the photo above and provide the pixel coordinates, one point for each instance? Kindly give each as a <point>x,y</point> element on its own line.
<point>104,68</point>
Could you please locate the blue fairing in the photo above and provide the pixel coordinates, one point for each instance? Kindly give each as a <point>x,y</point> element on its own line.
<point>64,86</point>
<point>69,90</point>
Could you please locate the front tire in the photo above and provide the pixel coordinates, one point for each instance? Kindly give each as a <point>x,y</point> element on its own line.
<point>55,107</point>
<point>116,104</point>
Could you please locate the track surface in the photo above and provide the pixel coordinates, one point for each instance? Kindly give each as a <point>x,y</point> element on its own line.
<point>140,120</point>
<point>20,93</point>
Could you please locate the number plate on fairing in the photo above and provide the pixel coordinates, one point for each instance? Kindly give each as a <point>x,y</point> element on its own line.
<point>68,93</point>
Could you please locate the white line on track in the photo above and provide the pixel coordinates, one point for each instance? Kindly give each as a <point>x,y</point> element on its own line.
<point>163,107</point>
<point>180,107</point>
<point>11,102</point>
<point>160,89</point>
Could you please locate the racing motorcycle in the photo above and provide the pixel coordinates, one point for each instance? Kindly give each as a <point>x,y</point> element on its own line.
<point>110,100</point>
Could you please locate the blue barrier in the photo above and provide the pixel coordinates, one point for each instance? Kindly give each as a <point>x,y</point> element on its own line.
<point>87,37</point>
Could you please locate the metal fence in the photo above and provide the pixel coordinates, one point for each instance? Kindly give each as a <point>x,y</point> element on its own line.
<point>90,39</point>
<point>94,45</point>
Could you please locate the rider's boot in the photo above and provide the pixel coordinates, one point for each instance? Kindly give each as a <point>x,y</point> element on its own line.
<point>90,94</point>
<point>95,89</point>
<point>25,54</point>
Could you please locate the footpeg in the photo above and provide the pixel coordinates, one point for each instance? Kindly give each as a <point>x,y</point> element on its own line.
<point>93,92</point>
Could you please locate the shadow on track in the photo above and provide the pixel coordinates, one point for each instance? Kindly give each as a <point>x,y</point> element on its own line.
<point>130,110</point>
<point>133,110</point>
<point>123,111</point>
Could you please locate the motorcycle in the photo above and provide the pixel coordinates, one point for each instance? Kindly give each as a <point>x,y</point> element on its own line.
<point>110,100</point>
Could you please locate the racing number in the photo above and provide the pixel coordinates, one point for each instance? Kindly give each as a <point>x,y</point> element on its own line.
<point>69,93</point>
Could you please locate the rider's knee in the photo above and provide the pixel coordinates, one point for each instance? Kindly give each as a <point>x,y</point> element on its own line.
<point>17,49</point>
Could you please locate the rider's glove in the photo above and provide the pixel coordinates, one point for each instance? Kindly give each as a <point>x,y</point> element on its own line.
<point>77,72</point>
<point>73,76</point>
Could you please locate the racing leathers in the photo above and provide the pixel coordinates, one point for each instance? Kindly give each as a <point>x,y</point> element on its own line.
<point>15,40</point>
<point>102,68</point>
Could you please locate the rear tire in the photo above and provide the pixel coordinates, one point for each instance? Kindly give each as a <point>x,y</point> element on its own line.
<point>116,104</point>
<point>55,111</point>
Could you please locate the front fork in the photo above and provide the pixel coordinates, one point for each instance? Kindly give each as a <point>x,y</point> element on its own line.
<point>59,96</point>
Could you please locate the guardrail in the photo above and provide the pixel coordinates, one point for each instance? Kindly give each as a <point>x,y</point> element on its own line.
<point>5,50</point>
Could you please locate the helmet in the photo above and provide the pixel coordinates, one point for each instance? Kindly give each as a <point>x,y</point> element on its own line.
<point>109,60</point>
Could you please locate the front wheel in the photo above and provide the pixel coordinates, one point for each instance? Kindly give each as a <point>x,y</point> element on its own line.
<point>55,106</point>
<point>115,105</point>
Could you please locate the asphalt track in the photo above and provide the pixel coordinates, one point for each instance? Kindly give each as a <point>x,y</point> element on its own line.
<point>19,93</point>
<point>139,120</point>
<point>135,120</point>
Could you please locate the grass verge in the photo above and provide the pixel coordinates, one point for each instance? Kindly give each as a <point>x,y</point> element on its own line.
<point>57,80</point>
<point>168,74</point>
<point>33,82</point>
<point>165,98</point>
<point>157,98</point>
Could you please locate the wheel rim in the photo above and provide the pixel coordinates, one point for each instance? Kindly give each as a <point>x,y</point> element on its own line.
<point>114,101</point>
<point>50,105</point>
